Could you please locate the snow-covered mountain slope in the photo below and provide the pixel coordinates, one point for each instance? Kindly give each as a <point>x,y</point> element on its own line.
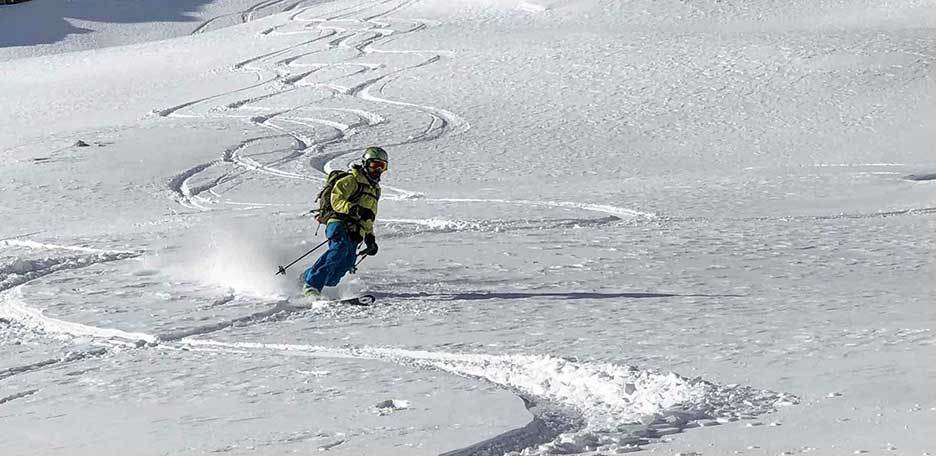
<point>605,225</point>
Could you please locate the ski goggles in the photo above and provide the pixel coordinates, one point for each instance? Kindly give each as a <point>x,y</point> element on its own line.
<point>377,164</point>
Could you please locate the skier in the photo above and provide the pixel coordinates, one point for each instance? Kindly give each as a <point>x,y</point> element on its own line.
<point>348,207</point>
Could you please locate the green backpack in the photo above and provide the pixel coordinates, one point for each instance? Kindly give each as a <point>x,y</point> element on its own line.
<point>325,211</point>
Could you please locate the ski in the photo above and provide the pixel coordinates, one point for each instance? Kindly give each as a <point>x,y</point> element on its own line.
<point>362,300</point>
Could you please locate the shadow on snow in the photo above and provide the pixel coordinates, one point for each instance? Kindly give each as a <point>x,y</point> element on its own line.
<point>473,296</point>
<point>45,22</point>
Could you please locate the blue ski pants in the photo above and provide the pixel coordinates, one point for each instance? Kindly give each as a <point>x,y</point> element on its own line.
<point>336,261</point>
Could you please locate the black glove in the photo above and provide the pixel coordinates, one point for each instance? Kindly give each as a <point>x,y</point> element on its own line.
<point>355,236</point>
<point>371,242</point>
<point>362,213</point>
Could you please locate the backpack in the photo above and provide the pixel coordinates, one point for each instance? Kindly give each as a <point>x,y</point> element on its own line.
<point>325,211</point>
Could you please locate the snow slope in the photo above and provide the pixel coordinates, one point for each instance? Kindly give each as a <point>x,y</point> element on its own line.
<point>606,224</point>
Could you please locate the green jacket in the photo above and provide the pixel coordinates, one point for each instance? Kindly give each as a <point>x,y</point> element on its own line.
<point>355,190</point>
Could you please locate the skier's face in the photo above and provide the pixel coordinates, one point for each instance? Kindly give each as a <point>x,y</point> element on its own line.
<point>375,168</point>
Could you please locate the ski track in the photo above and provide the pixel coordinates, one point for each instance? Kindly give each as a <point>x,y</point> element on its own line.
<point>603,208</point>
<point>13,309</point>
<point>68,358</point>
<point>363,27</point>
<point>919,211</point>
<point>20,395</point>
<point>289,81</point>
<point>20,271</point>
<point>244,16</point>
<point>46,246</point>
<point>181,190</point>
<point>577,406</point>
<point>427,226</point>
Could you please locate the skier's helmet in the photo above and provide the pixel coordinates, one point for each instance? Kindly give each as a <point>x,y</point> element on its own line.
<point>375,161</point>
<point>375,153</point>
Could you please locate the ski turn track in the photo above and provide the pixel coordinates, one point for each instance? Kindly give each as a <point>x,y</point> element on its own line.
<point>309,72</point>
<point>20,271</point>
<point>284,72</point>
<point>577,407</point>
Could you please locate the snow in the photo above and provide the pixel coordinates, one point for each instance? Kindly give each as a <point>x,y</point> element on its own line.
<point>690,227</point>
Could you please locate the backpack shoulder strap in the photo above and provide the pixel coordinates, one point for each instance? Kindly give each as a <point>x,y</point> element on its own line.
<point>357,193</point>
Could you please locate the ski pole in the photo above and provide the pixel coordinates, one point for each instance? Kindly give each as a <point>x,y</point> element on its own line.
<point>354,269</point>
<point>282,269</point>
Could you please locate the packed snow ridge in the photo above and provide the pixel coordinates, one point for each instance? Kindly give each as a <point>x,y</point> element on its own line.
<point>13,309</point>
<point>21,270</point>
<point>620,405</point>
<point>578,407</point>
<point>593,406</point>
